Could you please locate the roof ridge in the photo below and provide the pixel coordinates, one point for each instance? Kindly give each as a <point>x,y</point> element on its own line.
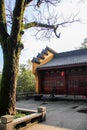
<point>74,52</point>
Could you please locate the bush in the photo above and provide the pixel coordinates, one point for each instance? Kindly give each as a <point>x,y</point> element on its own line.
<point>26,81</point>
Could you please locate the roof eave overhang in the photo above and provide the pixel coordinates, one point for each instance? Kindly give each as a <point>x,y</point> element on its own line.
<point>62,66</point>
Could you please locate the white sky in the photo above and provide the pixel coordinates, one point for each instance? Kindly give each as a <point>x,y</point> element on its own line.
<point>71,36</point>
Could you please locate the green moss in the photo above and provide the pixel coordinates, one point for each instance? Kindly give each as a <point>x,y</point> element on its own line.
<point>19,114</point>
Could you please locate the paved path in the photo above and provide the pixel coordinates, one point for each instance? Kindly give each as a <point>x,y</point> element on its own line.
<point>62,114</point>
<point>44,127</point>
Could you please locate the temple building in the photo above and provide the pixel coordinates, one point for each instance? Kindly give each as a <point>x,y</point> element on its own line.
<point>65,72</point>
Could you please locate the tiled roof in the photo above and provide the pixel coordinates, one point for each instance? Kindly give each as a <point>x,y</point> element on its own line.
<point>68,58</point>
<point>41,55</point>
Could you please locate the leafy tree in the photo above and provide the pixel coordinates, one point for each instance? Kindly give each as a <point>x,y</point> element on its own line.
<point>26,80</point>
<point>84,44</point>
<point>12,25</point>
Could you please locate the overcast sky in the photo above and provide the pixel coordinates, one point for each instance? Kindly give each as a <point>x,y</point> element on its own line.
<point>71,36</point>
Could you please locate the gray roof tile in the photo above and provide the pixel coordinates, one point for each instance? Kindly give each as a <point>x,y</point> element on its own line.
<point>68,58</point>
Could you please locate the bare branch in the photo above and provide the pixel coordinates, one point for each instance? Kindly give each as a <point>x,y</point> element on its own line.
<point>45,21</point>
<point>48,28</point>
<point>27,2</point>
<point>52,2</point>
<point>43,33</point>
<point>36,24</point>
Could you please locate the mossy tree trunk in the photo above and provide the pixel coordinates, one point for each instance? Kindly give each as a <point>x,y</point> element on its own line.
<point>11,47</point>
<point>9,79</point>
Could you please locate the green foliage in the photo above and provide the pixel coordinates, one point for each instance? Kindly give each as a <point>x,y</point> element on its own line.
<point>19,114</point>
<point>26,80</point>
<point>84,44</point>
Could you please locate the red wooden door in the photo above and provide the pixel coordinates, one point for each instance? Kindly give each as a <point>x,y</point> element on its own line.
<point>77,83</point>
<point>53,81</point>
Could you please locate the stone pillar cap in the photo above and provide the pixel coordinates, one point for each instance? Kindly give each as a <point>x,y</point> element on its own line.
<point>7,119</point>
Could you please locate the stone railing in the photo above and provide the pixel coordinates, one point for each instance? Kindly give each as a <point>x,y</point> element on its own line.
<point>24,95</point>
<point>9,123</point>
<point>28,95</point>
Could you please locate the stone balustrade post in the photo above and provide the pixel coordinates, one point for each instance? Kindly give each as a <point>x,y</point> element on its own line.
<point>6,122</point>
<point>43,111</point>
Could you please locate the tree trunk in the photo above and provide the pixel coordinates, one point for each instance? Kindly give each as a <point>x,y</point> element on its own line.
<point>9,80</point>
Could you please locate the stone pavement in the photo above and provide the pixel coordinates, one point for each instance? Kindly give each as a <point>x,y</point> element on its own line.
<point>60,114</point>
<point>44,127</point>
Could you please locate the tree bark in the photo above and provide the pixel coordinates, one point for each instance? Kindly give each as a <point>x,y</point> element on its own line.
<point>11,55</point>
<point>11,46</point>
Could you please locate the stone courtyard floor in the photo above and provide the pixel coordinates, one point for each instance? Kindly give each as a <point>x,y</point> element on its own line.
<point>44,127</point>
<point>63,114</point>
